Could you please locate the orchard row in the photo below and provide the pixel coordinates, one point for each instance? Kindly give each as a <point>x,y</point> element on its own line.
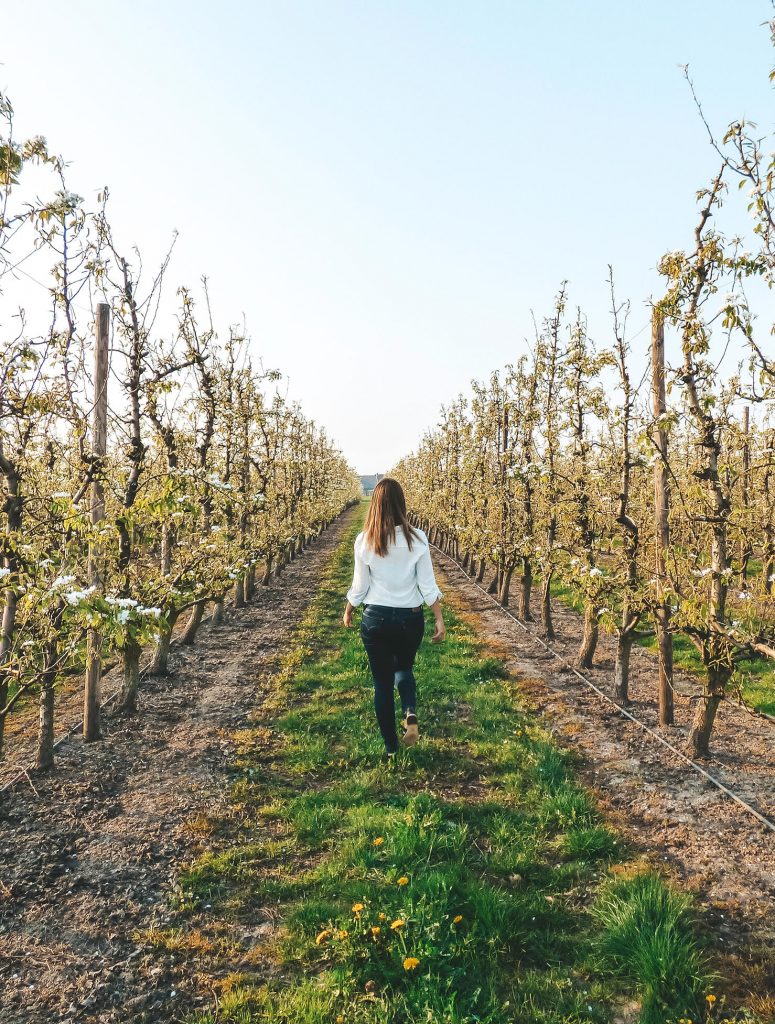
<point>645,485</point>
<point>206,477</point>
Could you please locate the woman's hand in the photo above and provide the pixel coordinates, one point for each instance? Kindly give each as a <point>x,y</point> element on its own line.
<point>347,618</point>
<point>440,631</point>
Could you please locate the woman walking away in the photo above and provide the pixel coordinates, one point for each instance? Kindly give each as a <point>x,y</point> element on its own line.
<point>393,577</point>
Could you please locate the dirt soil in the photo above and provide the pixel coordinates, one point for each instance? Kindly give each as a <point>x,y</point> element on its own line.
<point>669,812</point>
<point>89,856</point>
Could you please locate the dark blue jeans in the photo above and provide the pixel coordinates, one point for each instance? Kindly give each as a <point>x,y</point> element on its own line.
<point>392,637</point>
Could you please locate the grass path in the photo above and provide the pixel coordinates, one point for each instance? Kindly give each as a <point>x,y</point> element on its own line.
<point>471,883</point>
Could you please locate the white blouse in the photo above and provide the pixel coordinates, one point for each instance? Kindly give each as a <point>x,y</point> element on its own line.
<point>399,579</point>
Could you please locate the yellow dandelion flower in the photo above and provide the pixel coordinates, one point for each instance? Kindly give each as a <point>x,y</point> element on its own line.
<point>381,916</point>
<point>397,924</point>
<point>375,930</point>
<point>343,934</point>
<point>340,1019</point>
<point>403,880</point>
<point>411,963</point>
<point>711,999</point>
<point>323,937</point>
<point>457,919</point>
<point>378,841</point>
<point>358,907</point>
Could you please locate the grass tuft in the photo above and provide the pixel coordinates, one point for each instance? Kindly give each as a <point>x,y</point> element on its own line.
<point>649,936</point>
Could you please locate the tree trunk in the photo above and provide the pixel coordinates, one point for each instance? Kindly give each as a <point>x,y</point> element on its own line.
<point>8,626</point>
<point>162,651</point>
<point>45,752</point>
<point>705,714</point>
<point>127,698</point>
<point>589,639</point>
<point>525,592</point>
<point>239,592</point>
<point>13,522</point>
<point>768,562</point>
<point>218,611</point>
<point>505,586</point>
<point>547,622</point>
<point>622,666</point>
<point>167,547</point>
<point>482,570</point>
<point>267,572</point>
<point>250,583</point>
<point>192,626</point>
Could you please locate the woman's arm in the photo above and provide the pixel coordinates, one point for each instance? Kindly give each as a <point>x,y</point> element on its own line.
<point>426,582</point>
<point>440,631</point>
<point>360,584</point>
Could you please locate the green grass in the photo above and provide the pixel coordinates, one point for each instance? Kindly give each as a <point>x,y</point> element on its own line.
<point>648,936</point>
<point>469,883</point>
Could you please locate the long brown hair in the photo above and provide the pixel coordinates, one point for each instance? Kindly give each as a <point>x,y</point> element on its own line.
<point>386,512</point>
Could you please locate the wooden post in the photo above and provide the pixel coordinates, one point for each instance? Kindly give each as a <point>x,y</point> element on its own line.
<point>661,520</point>
<point>745,540</point>
<point>91,696</point>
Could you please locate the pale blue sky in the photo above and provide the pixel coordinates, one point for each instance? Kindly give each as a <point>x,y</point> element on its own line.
<point>386,189</point>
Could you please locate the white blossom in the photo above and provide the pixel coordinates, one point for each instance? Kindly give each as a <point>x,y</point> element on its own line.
<point>62,581</point>
<point>121,602</point>
<point>76,596</point>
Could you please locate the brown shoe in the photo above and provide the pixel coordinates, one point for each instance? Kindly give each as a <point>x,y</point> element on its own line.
<point>412,730</point>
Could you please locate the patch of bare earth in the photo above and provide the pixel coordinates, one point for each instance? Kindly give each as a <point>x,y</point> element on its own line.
<point>89,857</point>
<point>667,811</point>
